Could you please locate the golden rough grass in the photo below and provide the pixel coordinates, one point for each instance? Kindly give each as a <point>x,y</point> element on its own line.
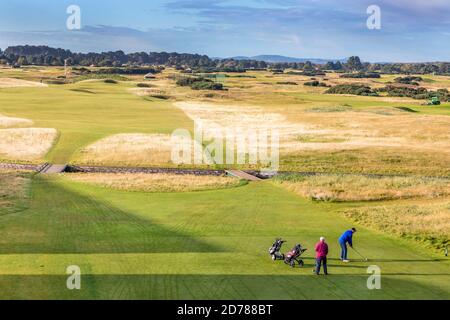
<point>363,188</point>
<point>17,83</point>
<point>129,149</point>
<point>9,122</point>
<point>215,119</point>
<point>425,222</point>
<point>154,182</point>
<point>349,130</point>
<point>375,127</point>
<point>26,143</point>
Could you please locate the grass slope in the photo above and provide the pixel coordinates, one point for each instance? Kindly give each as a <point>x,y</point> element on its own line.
<point>88,111</point>
<point>205,245</point>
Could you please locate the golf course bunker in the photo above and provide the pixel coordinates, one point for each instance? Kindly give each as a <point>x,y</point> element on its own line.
<point>17,83</point>
<point>26,143</point>
<point>145,92</point>
<point>126,149</point>
<point>158,182</point>
<point>10,122</point>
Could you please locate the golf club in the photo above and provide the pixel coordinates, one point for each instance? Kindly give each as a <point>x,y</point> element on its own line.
<point>365,259</point>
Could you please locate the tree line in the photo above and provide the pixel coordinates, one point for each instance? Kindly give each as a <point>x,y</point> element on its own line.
<point>46,56</point>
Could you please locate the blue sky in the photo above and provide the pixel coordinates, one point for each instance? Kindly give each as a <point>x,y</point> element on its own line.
<point>412,30</point>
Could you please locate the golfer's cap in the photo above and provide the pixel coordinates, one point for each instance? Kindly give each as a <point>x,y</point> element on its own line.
<point>322,239</point>
<point>354,229</point>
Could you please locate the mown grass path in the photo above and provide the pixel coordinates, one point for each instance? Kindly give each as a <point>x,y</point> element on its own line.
<point>199,245</point>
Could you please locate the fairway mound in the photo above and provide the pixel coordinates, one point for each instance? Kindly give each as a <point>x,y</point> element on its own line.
<point>26,143</point>
<point>17,83</point>
<point>127,149</point>
<point>9,122</point>
<point>142,182</point>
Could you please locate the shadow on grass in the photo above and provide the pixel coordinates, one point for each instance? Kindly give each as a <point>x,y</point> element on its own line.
<point>62,221</point>
<point>380,260</point>
<point>235,287</point>
<point>83,91</point>
<point>406,109</point>
<point>402,260</point>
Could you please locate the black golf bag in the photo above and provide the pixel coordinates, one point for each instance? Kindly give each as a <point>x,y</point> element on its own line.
<point>274,251</point>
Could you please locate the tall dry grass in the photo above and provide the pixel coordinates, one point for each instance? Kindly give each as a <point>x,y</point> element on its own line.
<point>154,182</point>
<point>425,222</point>
<point>329,128</point>
<point>136,149</point>
<point>124,149</point>
<point>26,143</point>
<point>363,188</point>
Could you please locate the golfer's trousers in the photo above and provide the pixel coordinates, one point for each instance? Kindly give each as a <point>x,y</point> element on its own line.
<point>319,262</point>
<point>343,250</point>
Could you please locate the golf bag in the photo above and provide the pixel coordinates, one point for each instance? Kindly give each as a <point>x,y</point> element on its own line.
<point>274,251</point>
<point>292,257</point>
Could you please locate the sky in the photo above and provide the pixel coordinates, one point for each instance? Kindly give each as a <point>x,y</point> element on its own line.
<point>411,30</point>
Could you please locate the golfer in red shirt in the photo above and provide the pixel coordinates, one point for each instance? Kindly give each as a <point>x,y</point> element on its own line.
<point>321,256</point>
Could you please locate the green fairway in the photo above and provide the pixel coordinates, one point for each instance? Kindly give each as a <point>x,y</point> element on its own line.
<point>88,111</point>
<point>214,244</point>
<point>199,245</point>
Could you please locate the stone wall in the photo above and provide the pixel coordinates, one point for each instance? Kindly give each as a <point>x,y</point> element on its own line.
<point>197,172</point>
<point>16,166</point>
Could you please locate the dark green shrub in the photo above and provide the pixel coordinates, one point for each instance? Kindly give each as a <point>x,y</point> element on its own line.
<point>361,75</point>
<point>416,93</point>
<point>356,89</point>
<point>199,83</point>
<point>160,96</point>
<point>315,84</point>
<point>110,81</point>
<point>206,85</point>
<point>144,85</point>
<point>289,83</point>
<point>409,80</point>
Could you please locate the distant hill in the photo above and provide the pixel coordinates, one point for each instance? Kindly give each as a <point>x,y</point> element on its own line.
<point>277,58</point>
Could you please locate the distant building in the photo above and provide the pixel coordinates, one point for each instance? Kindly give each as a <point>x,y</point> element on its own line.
<point>149,76</point>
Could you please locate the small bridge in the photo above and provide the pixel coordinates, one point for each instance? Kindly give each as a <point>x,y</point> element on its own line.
<point>242,175</point>
<point>53,168</point>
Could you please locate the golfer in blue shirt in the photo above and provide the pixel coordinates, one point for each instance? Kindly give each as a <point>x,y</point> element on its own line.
<point>347,237</point>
